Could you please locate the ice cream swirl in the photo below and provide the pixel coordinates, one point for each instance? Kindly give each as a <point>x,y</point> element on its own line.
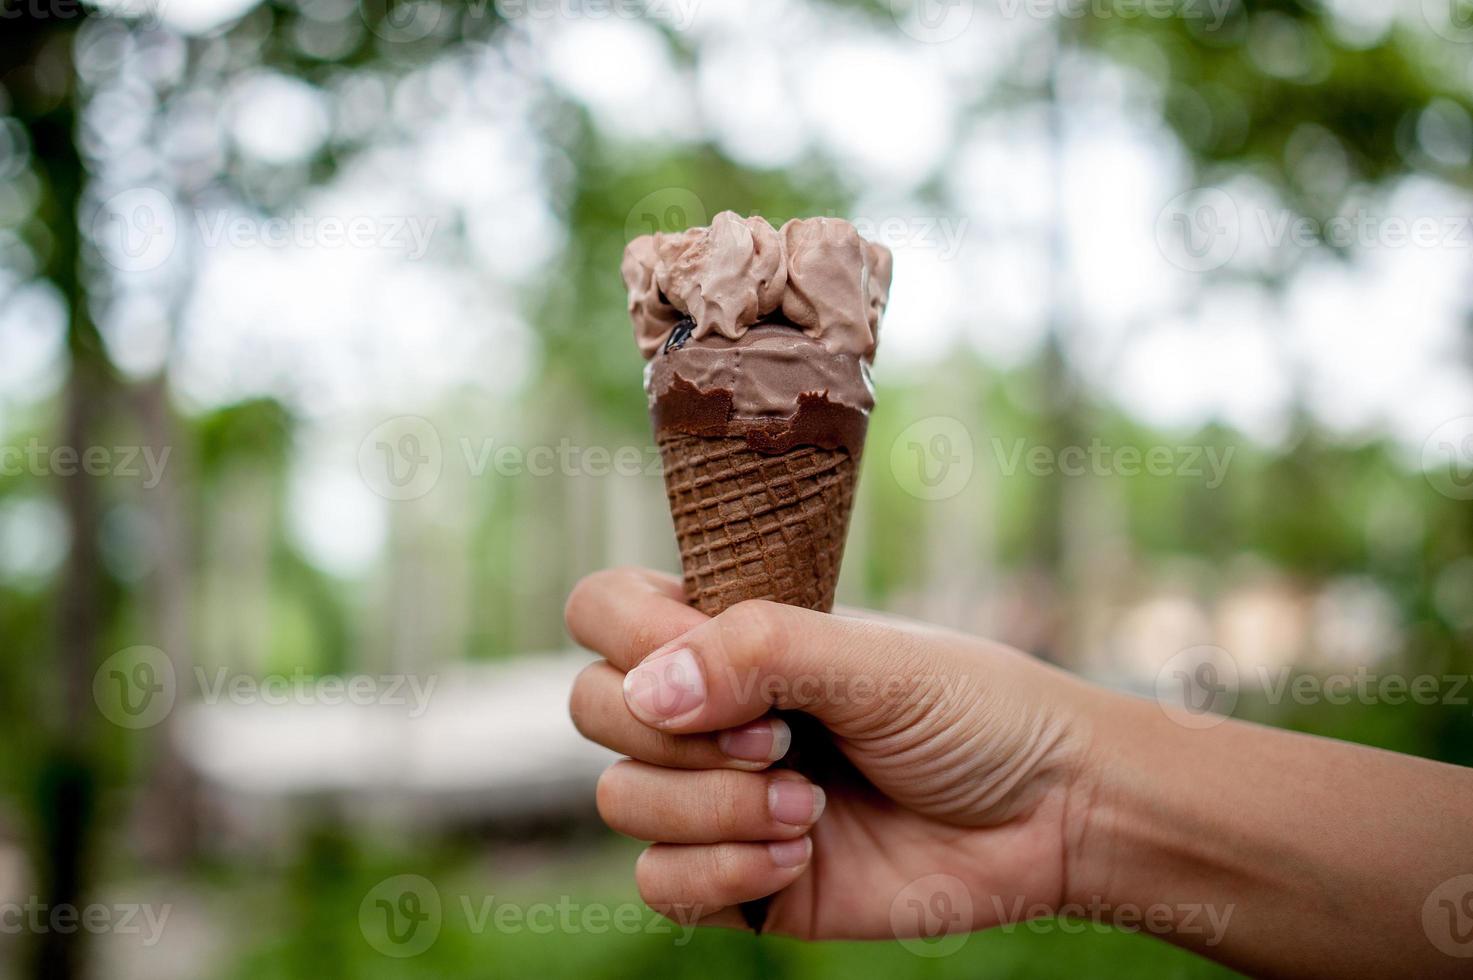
<point>816,275</point>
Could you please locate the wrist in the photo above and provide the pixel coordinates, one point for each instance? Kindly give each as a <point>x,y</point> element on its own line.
<point>1090,845</point>
<point>1134,837</point>
<point>1159,847</point>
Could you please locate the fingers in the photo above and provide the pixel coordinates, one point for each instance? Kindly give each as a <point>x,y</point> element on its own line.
<point>698,880</point>
<point>759,655</point>
<point>624,613</point>
<point>706,807</point>
<point>600,715</point>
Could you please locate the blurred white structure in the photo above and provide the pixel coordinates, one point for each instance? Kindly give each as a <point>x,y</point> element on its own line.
<point>471,743</point>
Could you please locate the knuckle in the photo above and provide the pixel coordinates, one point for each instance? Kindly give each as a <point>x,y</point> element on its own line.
<point>582,700</point>
<point>726,874</point>
<point>755,630</point>
<point>649,879</point>
<point>664,877</point>
<point>646,634</point>
<point>608,795</point>
<point>678,750</point>
<point>578,600</point>
<point>728,810</point>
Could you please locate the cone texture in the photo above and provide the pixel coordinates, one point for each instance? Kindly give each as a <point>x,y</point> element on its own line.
<point>758,526</point>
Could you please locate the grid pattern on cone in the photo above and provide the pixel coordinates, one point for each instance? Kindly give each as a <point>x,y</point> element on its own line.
<point>757,526</point>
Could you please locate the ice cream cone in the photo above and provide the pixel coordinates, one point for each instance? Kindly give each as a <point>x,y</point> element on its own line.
<point>754,525</point>
<point>759,343</point>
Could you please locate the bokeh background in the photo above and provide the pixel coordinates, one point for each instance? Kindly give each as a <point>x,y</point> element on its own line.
<point>317,394</point>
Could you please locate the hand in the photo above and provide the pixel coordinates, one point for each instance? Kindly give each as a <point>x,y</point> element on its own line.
<point>1273,852</point>
<point>942,754</point>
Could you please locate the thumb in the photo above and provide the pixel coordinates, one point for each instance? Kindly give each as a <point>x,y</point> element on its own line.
<point>761,655</point>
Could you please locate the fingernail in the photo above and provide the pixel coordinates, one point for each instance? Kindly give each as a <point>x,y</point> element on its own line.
<point>665,689</point>
<point>795,802</point>
<point>790,853</point>
<point>762,741</point>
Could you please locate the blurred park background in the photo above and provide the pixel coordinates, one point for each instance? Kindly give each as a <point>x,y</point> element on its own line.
<point>317,394</point>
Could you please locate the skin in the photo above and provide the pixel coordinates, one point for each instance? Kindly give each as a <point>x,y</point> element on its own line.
<point>1037,793</point>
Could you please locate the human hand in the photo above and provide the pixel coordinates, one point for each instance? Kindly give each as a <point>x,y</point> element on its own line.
<point>942,753</point>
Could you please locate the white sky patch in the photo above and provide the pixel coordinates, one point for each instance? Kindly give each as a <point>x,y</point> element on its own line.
<point>1225,364</point>
<point>463,145</point>
<point>1003,174</point>
<point>338,522</point>
<point>275,118</point>
<point>33,342</point>
<point>33,539</point>
<point>356,331</point>
<point>136,329</point>
<point>1007,289</point>
<point>928,297</point>
<point>1370,333</point>
<point>193,16</point>
<point>745,95</point>
<point>621,70</point>
<point>880,108</point>
<point>1113,175</point>
<point>337,327</point>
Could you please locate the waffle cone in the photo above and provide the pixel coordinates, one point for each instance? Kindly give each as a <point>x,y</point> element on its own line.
<point>755,525</point>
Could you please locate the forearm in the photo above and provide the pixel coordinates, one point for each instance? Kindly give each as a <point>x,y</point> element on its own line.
<point>1276,853</point>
